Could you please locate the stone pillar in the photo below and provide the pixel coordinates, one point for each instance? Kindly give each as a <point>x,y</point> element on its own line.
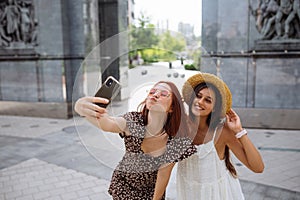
<point>113,37</point>
<point>260,65</point>
<point>73,37</point>
<point>109,26</point>
<point>37,71</point>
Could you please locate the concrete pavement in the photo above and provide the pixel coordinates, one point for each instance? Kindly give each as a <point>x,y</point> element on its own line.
<point>70,159</point>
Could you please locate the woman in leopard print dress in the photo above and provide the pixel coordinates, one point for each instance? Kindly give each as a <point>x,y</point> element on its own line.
<point>154,138</point>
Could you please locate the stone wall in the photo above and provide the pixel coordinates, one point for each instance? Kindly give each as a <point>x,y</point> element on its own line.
<point>43,71</point>
<point>261,69</point>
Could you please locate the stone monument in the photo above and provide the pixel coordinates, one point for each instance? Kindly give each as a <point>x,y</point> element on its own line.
<point>41,49</point>
<point>256,50</point>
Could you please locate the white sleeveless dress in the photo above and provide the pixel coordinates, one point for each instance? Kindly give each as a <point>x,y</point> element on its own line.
<point>204,176</point>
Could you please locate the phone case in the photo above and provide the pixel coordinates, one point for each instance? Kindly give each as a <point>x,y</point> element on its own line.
<point>109,90</point>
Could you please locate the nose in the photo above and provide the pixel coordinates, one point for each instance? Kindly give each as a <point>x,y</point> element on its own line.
<point>157,94</point>
<point>200,100</point>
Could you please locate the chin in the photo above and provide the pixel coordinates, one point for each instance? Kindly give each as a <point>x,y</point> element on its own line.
<point>157,108</point>
<point>196,113</point>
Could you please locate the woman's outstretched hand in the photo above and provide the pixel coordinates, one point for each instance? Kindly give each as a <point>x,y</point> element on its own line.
<point>86,107</point>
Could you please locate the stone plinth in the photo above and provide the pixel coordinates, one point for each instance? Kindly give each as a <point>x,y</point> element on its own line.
<point>277,45</point>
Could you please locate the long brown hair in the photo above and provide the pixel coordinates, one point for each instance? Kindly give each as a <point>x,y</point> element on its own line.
<point>176,124</point>
<point>214,117</point>
<point>214,120</point>
<point>228,163</point>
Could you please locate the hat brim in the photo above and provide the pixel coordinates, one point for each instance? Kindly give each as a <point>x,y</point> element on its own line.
<point>193,81</point>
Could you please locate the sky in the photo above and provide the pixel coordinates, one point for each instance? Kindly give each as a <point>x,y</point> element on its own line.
<point>173,11</point>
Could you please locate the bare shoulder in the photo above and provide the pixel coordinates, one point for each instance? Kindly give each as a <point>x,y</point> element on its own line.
<point>226,136</point>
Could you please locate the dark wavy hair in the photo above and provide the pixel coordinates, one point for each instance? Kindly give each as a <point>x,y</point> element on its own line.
<point>214,119</point>
<point>176,124</point>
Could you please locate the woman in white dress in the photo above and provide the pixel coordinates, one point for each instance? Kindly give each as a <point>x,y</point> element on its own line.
<point>215,129</point>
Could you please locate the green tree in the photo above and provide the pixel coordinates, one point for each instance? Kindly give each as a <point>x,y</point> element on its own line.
<point>151,45</point>
<point>174,42</point>
<point>143,34</point>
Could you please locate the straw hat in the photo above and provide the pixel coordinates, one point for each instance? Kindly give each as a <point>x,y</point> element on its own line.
<point>193,81</point>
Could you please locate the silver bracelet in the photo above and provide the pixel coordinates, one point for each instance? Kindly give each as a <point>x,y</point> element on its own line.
<point>241,133</point>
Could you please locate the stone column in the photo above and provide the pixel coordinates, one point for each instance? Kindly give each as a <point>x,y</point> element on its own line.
<point>37,76</point>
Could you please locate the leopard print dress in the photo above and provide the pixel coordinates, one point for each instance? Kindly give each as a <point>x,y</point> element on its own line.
<point>135,176</point>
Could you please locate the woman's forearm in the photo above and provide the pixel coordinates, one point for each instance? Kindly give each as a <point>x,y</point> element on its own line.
<point>253,156</point>
<point>162,180</point>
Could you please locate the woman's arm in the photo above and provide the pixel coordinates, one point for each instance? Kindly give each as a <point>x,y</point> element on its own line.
<point>98,116</point>
<point>162,180</point>
<point>242,147</point>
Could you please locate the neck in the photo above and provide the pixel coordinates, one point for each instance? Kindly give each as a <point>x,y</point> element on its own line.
<point>202,126</point>
<point>200,131</point>
<point>156,121</point>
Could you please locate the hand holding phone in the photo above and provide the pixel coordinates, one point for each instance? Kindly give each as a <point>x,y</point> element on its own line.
<point>108,90</point>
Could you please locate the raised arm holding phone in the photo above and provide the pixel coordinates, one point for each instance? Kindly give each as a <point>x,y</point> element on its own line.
<point>154,140</point>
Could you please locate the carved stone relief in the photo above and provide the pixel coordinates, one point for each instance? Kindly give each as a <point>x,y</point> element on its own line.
<point>18,25</point>
<point>277,19</point>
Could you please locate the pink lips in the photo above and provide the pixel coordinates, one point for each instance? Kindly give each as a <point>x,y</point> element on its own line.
<point>198,107</point>
<point>153,99</point>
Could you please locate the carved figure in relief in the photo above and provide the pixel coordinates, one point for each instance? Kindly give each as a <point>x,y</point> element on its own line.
<point>277,19</point>
<point>25,22</point>
<point>294,14</point>
<point>265,16</point>
<point>269,19</point>
<point>11,16</point>
<point>4,40</point>
<point>284,10</point>
<point>18,25</point>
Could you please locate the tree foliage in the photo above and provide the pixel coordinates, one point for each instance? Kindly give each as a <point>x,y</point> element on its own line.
<point>172,42</point>
<point>143,35</point>
<point>154,45</point>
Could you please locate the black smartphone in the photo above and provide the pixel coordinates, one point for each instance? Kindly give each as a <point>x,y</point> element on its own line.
<point>109,90</point>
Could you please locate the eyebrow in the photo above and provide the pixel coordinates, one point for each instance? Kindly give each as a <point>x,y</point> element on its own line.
<point>209,97</point>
